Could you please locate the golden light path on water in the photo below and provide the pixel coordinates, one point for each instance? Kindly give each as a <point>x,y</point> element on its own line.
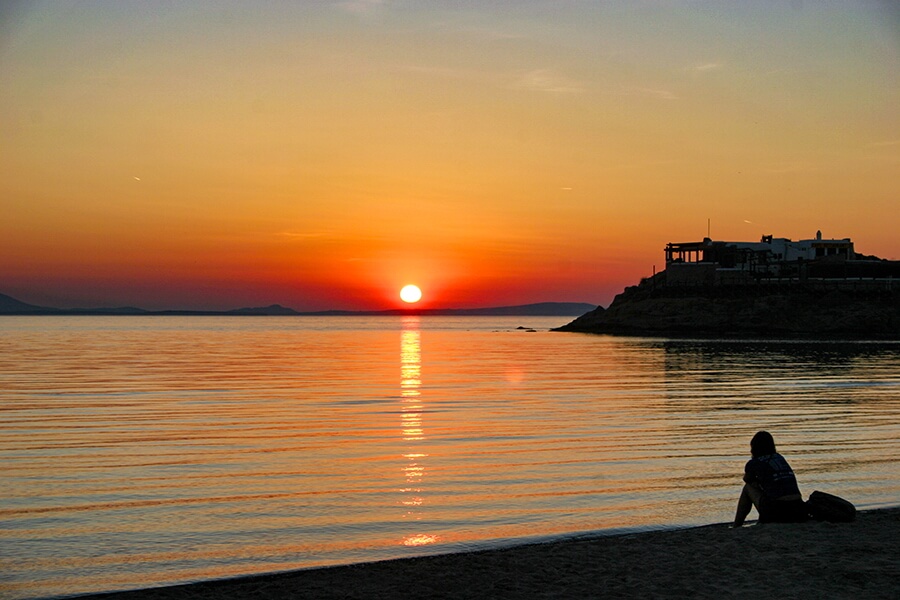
<point>412,427</point>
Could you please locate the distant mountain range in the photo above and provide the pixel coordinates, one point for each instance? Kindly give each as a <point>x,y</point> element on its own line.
<point>11,306</point>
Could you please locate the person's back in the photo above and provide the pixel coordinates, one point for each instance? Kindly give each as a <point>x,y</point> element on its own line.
<point>774,474</point>
<point>770,485</point>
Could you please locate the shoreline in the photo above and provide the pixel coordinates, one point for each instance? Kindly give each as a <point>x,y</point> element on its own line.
<point>808,560</point>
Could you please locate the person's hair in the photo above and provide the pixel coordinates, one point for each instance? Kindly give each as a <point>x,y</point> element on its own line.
<point>762,444</point>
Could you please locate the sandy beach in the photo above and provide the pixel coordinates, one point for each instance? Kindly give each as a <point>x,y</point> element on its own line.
<point>809,560</point>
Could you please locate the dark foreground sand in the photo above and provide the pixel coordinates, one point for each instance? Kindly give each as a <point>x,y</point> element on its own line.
<point>811,560</point>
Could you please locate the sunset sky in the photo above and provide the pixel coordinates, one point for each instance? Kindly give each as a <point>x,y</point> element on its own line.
<point>323,154</point>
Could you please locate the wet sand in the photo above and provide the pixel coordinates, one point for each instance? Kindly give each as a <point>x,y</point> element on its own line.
<point>809,560</point>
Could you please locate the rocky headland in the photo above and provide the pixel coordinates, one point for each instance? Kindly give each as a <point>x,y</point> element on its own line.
<point>803,311</point>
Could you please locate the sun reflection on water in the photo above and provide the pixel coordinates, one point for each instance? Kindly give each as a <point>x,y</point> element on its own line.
<point>412,430</point>
<point>420,540</point>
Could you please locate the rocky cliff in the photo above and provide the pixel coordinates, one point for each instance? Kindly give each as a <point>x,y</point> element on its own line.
<point>759,311</point>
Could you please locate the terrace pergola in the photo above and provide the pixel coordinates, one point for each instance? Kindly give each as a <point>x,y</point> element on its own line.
<point>689,252</point>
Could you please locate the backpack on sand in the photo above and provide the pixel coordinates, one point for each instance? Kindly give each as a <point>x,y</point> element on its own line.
<point>831,508</point>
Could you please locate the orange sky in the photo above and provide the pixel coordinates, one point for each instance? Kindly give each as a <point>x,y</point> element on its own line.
<point>322,154</point>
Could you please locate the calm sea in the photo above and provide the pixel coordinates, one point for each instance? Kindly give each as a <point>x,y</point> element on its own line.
<point>144,451</point>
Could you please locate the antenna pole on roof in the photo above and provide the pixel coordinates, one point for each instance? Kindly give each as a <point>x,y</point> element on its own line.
<point>707,229</point>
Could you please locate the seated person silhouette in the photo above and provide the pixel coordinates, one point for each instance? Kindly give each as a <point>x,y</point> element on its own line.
<point>770,486</point>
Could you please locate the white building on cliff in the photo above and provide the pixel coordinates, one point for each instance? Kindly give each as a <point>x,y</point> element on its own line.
<point>716,262</point>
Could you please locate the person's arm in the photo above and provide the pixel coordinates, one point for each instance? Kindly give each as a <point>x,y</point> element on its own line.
<point>749,473</point>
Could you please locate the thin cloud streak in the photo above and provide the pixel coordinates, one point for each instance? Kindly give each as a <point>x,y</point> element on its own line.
<point>711,66</point>
<point>303,234</point>
<point>547,81</point>
<point>653,93</point>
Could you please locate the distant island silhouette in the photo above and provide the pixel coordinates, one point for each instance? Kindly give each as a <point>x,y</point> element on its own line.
<point>815,288</point>
<point>12,306</point>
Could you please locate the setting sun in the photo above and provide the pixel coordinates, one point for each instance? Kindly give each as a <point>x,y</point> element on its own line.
<point>410,294</point>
